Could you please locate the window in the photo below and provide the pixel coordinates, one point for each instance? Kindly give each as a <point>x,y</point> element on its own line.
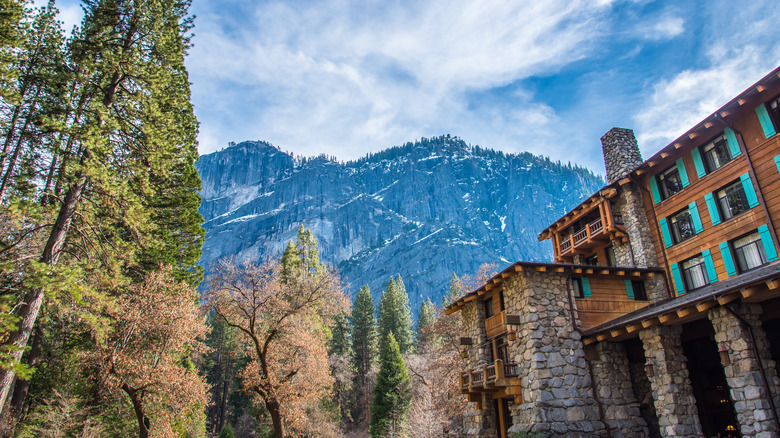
<point>669,182</point>
<point>774,111</point>
<point>716,153</point>
<point>639,290</point>
<point>732,200</point>
<point>610,251</point>
<point>592,260</point>
<point>681,225</point>
<point>694,273</point>
<point>579,292</point>
<point>489,307</point>
<point>501,300</point>
<point>749,252</point>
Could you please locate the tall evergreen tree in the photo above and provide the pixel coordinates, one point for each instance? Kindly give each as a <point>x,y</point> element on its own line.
<point>392,394</point>
<point>425,320</point>
<point>364,347</point>
<point>454,292</point>
<point>340,344</point>
<point>128,131</point>
<point>395,316</point>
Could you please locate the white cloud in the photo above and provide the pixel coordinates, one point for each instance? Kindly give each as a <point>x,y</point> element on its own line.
<point>737,57</point>
<point>668,27</point>
<point>342,80</point>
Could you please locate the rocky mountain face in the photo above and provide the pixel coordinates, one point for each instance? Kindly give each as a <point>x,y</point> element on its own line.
<point>422,210</point>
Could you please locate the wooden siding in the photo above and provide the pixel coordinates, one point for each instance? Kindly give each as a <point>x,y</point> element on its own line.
<point>762,152</point>
<point>608,301</point>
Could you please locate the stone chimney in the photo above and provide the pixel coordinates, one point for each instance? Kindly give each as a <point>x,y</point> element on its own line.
<point>621,153</point>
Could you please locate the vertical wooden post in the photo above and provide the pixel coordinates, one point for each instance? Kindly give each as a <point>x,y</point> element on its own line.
<point>501,419</point>
<point>499,370</point>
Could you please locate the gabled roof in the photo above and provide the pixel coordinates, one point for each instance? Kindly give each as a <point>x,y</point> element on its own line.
<point>517,267</point>
<point>714,120</point>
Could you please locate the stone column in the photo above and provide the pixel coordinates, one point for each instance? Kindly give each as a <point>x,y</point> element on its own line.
<point>476,422</point>
<point>672,391</point>
<point>615,391</point>
<point>621,153</point>
<point>751,400</point>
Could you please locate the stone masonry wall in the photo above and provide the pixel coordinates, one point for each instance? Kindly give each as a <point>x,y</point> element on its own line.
<point>644,395</point>
<point>751,400</point>
<point>554,375</point>
<point>476,423</point>
<point>672,391</point>
<point>621,153</point>
<point>615,391</point>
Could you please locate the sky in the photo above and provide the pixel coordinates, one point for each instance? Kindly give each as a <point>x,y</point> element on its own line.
<point>346,78</point>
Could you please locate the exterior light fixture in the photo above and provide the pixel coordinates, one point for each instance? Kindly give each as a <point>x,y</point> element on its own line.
<point>464,353</point>
<point>723,351</point>
<point>649,368</point>
<point>511,335</point>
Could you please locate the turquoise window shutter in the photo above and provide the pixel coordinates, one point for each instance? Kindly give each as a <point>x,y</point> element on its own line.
<point>586,287</point>
<point>713,208</point>
<point>629,289</point>
<point>695,217</point>
<point>777,162</point>
<point>665,233</point>
<point>769,246</point>
<point>654,190</point>
<point>731,138</point>
<point>697,163</point>
<point>683,173</point>
<point>711,274</point>
<point>727,260</point>
<point>678,283</point>
<point>765,120</point>
<point>750,192</point>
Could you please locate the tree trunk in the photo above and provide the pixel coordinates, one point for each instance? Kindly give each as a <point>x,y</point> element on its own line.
<point>275,411</point>
<point>31,304</point>
<point>144,425</point>
<point>23,386</point>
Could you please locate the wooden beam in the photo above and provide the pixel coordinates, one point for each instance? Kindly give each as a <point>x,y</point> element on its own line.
<point>604,272</point>
<point>602,337</point>
<point>750,292</point>
<point>518,268</point>
<point>560,269</point>
<point>636,274</point>
<point>590,340</point>
<point>652,163</point>
<point>728,298</point>
<point>773,284</point>
<point>641,171</point>
<point>665,154</point>
<point>541,269</point>
<point>724,113</point>
<point>677,145</point>
<point>705,306</point>
<point>682,313</point>
<point>589,271</point>
<point>624,181</point>
<point>708,125</point>
<point>634,327</point>
<point>621,273</point>
<point>505,274</point>
<point>663,319</point>
<point>760,88</point>
<point>741,102</point>
<point>577,270</point>
<point>616,333</point>
<point>652,322</point>
<point>693,135</point>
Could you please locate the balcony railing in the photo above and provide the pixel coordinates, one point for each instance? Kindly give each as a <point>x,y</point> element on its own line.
<point>496,324</point>
<point>491,377</point>
<point>582,236</point>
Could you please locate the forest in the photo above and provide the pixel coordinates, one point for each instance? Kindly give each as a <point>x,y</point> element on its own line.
<point>103,330</point>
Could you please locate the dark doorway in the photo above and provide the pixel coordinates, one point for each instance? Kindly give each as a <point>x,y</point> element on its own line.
<point>713,401</point>
<point>503,415</point>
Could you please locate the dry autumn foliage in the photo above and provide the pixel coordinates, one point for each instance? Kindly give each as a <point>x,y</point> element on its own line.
<point>283,322</point>
<point>157,324</point>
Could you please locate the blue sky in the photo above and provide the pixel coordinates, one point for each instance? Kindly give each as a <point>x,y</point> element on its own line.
<point>348,77</point>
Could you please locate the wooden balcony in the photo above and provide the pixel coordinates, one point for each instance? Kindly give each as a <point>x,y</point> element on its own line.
<point>593,234</point>
<point>593,312</point>
<point>496,325</point>
<point>499,378</point>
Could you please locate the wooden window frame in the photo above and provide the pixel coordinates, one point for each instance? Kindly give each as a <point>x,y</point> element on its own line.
<point>727,211</point>
<point>739,261</point>
<point>664,176</point>
<point>675,231</point>
<point>719,142</point>
<point>686,277</point>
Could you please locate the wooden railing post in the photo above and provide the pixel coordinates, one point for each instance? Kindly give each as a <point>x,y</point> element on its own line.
<point>499,370</point>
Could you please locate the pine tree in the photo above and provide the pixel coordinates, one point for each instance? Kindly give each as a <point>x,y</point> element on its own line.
<point>340,344</point>
<point>126,142</point>
<point>454,292</point>
<point>425,320</point>
<point>392,393</point>
<point>364,347</point>
<point>395,316</point>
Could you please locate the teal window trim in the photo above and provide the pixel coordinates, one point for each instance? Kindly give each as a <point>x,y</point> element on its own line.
<point>712,207</point>
<point>678,283</point>
<point>629,289</point>
<point>694,210</point>
<point>665,232</point>
<point>769,246</point>
<point>725,251</point>
<point>713,276</point>
<point>697,163</point>
<point>777,162</point>
<point>586,287</point>
<point>731,138</point>
<point>766,122</point>
<point>682,172</point>
<point>750,192</point>
<point>654,190</point>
